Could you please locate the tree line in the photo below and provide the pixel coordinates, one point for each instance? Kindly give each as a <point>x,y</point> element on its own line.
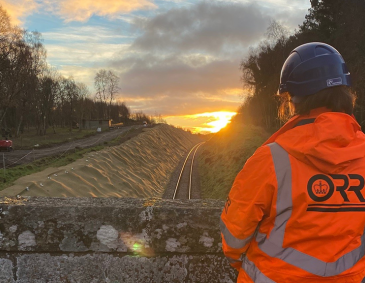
<point>33,94</point>
<point>340,23</point>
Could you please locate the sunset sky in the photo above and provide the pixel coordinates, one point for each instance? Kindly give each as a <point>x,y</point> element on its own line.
<point>176,58</point>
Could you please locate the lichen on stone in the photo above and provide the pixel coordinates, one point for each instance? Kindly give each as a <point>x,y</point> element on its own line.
<point>172,244</point>
<point>147,214</point>
<point>13,228</point>
<point>108,236</point>
<point>26,239</point>
<point>206,240</point>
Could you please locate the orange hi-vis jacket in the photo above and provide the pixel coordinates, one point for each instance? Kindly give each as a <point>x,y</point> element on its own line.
<point>296,211</point>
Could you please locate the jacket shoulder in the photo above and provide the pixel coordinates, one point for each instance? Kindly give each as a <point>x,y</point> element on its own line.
<point>259,168</point>
<point>262,155</point>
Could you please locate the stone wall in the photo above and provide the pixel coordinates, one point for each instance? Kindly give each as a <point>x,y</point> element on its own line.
<point>111,240</point>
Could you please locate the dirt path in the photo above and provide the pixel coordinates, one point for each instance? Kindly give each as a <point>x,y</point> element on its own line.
<point>18,157</point>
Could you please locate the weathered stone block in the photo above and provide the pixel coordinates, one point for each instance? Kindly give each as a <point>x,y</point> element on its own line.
<point>210,268</point>
<point>127,269</point>
<point>110,225</point>
<point>111,240</point>
<point>6,271</point>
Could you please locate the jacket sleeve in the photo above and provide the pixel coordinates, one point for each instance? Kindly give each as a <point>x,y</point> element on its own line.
<point>247,204</point>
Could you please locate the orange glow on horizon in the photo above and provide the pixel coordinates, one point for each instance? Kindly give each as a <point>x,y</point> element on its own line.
<point>221,119</point>
<point>208,122</point>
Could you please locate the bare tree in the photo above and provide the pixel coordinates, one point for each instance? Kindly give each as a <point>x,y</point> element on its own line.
<point>33,82</point>
<point>83,93</point>
<point>100,82</point>
<point>70,94</point>
<point>112,89</point>
<point>32,94</point>
<point>106,85</point>
<point>276,33</point>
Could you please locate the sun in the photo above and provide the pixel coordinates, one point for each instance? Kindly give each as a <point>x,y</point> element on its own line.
<point>218,125</point>
<point>207,122</point>
<point>216,121</point>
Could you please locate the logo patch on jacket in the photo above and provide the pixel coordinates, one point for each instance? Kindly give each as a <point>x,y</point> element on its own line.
<point>321,187</point>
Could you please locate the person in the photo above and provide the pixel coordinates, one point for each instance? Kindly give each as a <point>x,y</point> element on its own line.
<point>296,211</point>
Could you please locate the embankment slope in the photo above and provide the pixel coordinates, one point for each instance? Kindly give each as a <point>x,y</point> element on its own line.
<point>140,167</point>
<point>224,155</point>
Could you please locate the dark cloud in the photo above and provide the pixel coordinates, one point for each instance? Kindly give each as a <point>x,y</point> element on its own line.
<point>175,86</point>
<point>152,76</point>
<point>206,26</point>
<point>187,58</point>
<point>182,104</point>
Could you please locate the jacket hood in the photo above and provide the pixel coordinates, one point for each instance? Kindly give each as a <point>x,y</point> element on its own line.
<point>329,143</point>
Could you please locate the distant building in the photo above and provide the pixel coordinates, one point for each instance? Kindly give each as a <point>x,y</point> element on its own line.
<point>95,124</point>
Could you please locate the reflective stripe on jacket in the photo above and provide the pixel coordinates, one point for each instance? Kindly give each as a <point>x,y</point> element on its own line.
<point>296,211</point>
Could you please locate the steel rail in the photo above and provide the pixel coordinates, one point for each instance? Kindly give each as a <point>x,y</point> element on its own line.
<point>191,168</point>
<point>182,170</point>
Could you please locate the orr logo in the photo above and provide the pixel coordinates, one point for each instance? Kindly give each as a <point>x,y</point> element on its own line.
<point>321,187</point>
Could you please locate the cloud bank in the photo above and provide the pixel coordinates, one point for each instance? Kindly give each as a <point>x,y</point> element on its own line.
<point>18,10</point>
<point>186,60</point>
<point>71,10</point>
<point>206,26</point>
<point>82,10</point>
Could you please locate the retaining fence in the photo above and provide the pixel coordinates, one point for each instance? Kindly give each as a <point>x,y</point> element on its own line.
<point>111,240</point>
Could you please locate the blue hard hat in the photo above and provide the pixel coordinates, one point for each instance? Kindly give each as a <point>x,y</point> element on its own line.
<point>312,67</point>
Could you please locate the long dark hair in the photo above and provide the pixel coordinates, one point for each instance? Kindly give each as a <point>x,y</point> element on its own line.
<point>336,99</point>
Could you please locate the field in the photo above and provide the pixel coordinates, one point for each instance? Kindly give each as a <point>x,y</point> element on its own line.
<point>29,138</point>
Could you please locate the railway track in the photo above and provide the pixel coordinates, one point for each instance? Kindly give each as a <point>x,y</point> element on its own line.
<point>184,184</point>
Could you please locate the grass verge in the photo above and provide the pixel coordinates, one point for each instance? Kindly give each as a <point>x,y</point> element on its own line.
<point>29,138</point>
<point>224,155</point>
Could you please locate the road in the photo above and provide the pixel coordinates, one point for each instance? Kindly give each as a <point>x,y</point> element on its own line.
<point>18,157</point>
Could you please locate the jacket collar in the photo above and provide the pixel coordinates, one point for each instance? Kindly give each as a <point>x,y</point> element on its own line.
<point>293,122</point>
